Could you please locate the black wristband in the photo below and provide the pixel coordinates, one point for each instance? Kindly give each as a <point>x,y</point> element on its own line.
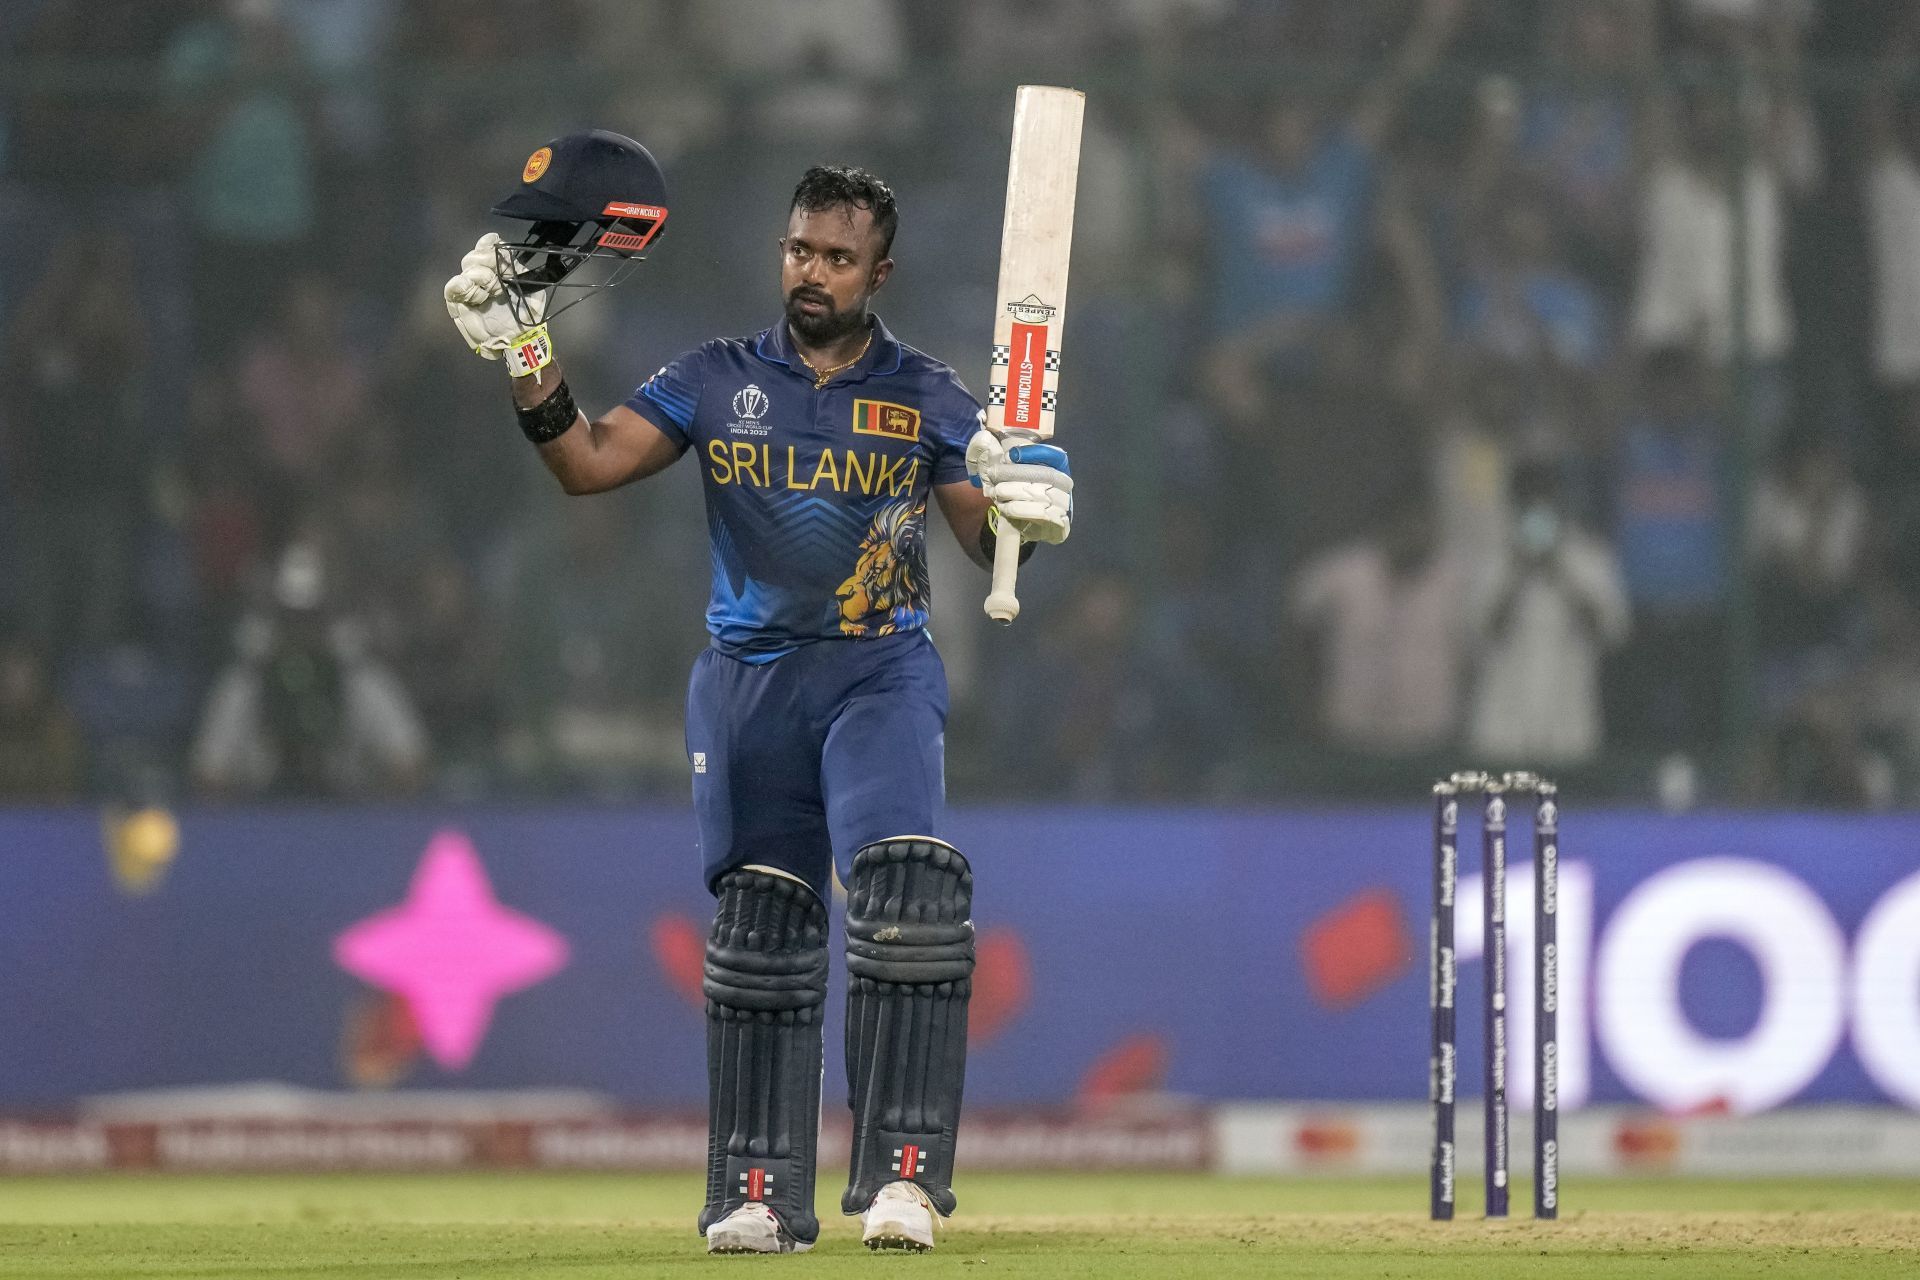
<point>990,538</point>
<point>551,418</point>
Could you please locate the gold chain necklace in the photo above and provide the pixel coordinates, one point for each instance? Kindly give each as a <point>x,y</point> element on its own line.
<point>820,376</point>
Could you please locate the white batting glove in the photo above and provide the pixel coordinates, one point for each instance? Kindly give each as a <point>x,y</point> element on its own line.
<point>1027,481</point>
<point>476,299</point>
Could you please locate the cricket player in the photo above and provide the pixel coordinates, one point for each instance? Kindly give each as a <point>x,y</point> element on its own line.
<point>815,718</point>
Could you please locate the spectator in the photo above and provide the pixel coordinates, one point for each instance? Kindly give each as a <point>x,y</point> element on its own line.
<point>379,522</point>
<point>1818,756</point>
<point>452,667</point>
<point>806,80</point>
<point>39,743</point>
<point>71,432</point>
<point>1286,226</point>
<point>1288,219</point>
<point>1894,482</point>
<point>475,493</point>
<point>1522,301</point>
<point>342,40</point>
<point>1577,127</point>
<point>1808,530</point>
<point>585,715</point>
<point>304,385</point>
<point>73,142</point>
<point>1885,687</point>
<point>1089,673</point>
<point>230,517</point>
<point>1700,209</point>
<point>251,159</point>
<point>1384,630</point>
<point>133,702</point>
<point>1492,411</point>
<point>1893,225</point>
<point>303,709</point>
<point>1544,613</point>
<point>1671,528</point>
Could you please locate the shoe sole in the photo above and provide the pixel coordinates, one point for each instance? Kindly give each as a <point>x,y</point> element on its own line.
<point>736,1245</point>
<point>884,1238</point>
<point>904,1244</point>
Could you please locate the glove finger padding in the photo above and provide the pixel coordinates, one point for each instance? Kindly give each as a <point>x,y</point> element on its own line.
<point>483,283</point>
<point>485,253</point>
<point>1028,502</point>
<point>1003,476</point>
<point>984,451</point>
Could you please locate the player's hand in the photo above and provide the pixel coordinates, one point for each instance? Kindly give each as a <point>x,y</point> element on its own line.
<point>1026,480</point>
<point>477,301</point>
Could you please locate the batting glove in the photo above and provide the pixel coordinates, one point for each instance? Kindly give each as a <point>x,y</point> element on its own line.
<point>1027,481</point>
<point>476,299</point>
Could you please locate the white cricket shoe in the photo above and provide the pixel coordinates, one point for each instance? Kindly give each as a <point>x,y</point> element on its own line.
<point>900,1217</point>
<point>752,1228</point>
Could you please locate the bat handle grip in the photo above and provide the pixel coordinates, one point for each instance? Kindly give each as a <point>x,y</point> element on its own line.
<point>1003,605</point>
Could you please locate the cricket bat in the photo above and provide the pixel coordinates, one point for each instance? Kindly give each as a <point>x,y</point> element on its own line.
<point>1030,307</point>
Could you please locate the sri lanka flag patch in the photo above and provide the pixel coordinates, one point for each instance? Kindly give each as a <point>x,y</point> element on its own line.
<point>880,418</point>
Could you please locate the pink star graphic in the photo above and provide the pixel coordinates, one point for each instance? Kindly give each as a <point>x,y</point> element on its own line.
<point>451,950</point>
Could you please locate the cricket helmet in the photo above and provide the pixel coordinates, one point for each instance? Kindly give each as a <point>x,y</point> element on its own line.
<point>594,197</point>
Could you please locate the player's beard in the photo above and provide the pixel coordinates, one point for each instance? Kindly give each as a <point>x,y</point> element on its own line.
<point>831,325</point>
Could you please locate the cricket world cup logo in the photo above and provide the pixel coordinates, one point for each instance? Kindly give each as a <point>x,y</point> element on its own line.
<point>750,403</point>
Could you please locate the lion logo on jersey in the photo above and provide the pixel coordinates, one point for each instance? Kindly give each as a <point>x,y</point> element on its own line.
<point>887,592</point>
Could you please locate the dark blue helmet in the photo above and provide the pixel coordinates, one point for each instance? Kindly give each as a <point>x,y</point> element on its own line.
<point>596,196</point>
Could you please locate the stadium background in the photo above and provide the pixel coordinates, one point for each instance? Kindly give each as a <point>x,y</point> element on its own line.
<point>242,438</point>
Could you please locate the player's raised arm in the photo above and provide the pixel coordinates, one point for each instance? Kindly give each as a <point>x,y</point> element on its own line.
<point>593,456</point>
<point>589,199</point>
<point>586,456</point>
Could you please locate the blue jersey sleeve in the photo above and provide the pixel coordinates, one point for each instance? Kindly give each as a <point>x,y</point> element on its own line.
<point>955,418</point>
<point>670,397</point>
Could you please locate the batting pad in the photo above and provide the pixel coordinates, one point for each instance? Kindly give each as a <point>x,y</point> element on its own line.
<point>766,987</point>
<point>909,973</point>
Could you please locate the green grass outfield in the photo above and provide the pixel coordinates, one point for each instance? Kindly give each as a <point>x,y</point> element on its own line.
<point>549,1226</point>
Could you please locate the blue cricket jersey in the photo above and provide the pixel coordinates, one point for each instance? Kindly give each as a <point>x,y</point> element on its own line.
<point>816,499</point>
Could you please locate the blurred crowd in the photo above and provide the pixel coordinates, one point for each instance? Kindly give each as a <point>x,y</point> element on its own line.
<point>1450,382</point>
